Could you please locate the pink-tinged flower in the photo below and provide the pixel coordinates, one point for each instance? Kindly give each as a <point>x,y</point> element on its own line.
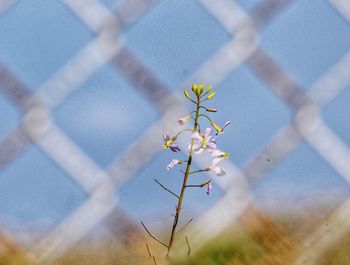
<point>203,141</point>
<point>219,130</point>
<point>183,120</point>
<point>169,142</point>
<point>173,163</point>
<point>209,188</point>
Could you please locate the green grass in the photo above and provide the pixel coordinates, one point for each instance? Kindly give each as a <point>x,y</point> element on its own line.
<point>260,242</point>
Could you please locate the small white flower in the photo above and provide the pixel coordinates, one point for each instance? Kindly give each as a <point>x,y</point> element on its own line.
<point>203,141</point>
<point>173,163</point>
<point>218,156</point>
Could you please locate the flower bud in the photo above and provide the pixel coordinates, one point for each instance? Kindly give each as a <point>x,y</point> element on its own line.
<point>201,89</point>
<point>211,95</point>
<point>173,163</point>
<point>197,89</point>
<point>194,88</point>
<point>187,95</point>
<point>211,109</point>
<point>216,127</point>
<point>183,120</point>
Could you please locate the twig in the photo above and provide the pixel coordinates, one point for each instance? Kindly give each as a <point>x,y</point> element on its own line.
<point>154,260</point>
<point>201,170</point>
<point>152,236</point>
<point>184,226</point>
<point>195,186</point>
<point>189,247</point>
<point>160,184</point>
<point>206,116</point>
<point>148,250</point>
<point>203,184</point>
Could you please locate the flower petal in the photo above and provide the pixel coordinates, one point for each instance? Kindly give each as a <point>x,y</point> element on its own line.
<point>216,161</point>
<point>196,136</point>
<point>219,171</point>
<point>209,188</point>
<point>198,151</point>
<point>166,136</point>
<point>226,124</point>
<point>207,132</point>
<point>174,148</point>
<point>212,146</point>
<point>173,163</point>
<point>217,153</point>
<point>196,146</point>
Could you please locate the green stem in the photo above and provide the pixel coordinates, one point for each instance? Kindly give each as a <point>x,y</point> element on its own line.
<point>184,183</point>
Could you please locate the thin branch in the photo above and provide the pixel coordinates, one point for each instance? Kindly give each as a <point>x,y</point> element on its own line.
<point>205,183</point>
<point>200,170</point>
<point>173,193</point>
<point>195,186</point>
<point>149,251</point>
<point>192,101</point>
<point>184,226</point>
<point>185,130</point>
<point>206,116</point>
<point>189,247</point>
<point>154,260</point>
<point>152,236</point>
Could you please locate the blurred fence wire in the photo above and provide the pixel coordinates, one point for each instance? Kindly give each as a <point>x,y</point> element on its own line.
<point>109,48</point>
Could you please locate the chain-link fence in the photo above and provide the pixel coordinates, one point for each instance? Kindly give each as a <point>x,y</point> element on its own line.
<point>108,47</point>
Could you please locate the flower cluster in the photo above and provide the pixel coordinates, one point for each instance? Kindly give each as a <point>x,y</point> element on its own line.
<point>201,140</point>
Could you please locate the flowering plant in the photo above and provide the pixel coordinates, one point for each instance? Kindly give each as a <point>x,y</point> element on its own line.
<point>201,141</point>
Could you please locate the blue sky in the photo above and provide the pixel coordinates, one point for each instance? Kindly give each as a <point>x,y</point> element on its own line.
<point>173,39</point>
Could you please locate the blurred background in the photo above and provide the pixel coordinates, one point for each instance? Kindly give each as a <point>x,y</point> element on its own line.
<point>87,88</point>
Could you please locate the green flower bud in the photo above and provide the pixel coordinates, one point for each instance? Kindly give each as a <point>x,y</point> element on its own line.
<point>187,95</point>
<point>216,127</point>
<point>194,88</point>
<point>200,89</point>
<point>211,95</point>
